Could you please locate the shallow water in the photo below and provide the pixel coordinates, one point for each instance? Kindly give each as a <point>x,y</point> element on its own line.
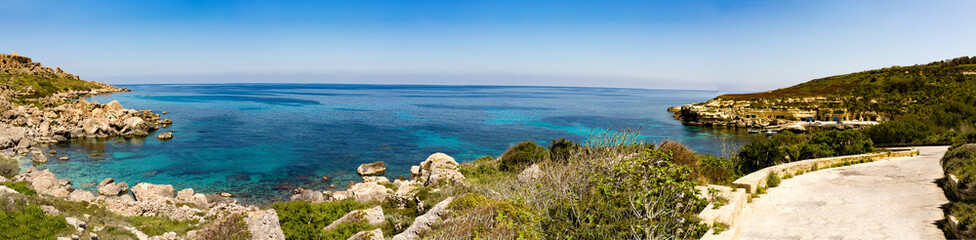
<point>262,140</point>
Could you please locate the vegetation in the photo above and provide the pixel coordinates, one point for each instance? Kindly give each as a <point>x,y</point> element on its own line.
<point>521,155</point>
<point>787,147</point>
<point>28,222</point>
<point>231,227</point>
<point>304,220</point>
<point>8,167</point>
<point>772,180</point>
<point>20,187</point>
<point>960,161</point>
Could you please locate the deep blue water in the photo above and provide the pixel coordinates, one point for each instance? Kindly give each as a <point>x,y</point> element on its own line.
<point>261,140</point>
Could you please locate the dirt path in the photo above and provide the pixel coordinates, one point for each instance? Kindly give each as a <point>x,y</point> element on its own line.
<point>892,199</point>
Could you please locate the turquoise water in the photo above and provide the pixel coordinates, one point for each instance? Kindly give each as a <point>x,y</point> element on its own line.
<point>262,140</point>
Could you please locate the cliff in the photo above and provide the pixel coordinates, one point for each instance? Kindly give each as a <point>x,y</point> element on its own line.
<point>865,97</point>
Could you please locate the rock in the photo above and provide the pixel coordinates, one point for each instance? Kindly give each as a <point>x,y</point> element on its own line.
<point>134,123</point>
<point>185,194</point>
<point>341,195</point>
<point>46,182</point>
<point>264,225</point>
<point>63,159</point>
<point>50,210</point>
<point>79,195</point>
<point>375,234</point>
<point>369,192</point>
<point>308,195</point>
<point>226,194</point>
<point>150,192</point>
<point>376,179</point>
<point>5,190</point>
<point>114,105</point>
<point>372,216</point>
<point>424,222</point>
<point>108,187</point>
<point>52,152</point>
<point>93,236</point>
<point>531,173</point>
<point>165,136</point>
<point>38,156</point>
<point>370,169</point>
<point>78,224</point>
<point>438,168</point>
<point>325,178</point>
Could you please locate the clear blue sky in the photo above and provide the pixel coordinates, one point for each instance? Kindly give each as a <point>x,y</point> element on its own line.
<point>717,45</point>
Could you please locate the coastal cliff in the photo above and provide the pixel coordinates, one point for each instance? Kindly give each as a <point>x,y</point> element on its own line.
<point>38,105</point>
<point>845,101</point>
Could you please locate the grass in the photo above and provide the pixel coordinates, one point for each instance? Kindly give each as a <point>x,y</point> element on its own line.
<point>21,187</point>
<point>8,167</point>
<point>719,227</point>
<point>24,221</point>
<point>772,179</point>
<point>304,220</point>
<point>718,202</point>
<point>158,225</point>
<point>43,85</point>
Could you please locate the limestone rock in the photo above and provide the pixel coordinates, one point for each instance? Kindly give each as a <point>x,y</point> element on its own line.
<point>149,192</point>
<point>79,195</point>
<point>165,136</point>
<point>375,234</point>
<point>308,195</point>
<point>424,222</point>
<point>78,224</point>
<point>370,169</point>
<point>50,210</point>
<point>63,159</point>
<point>376,179</point>
<point>109,187</point>
<point>369,192</point>
<point>531,173</point>
<point>372,216</point>
<point>46,182</point>
<point>438,168</point>
<point>38,156</point>
<point>114,105</point>
<point>264,225</point>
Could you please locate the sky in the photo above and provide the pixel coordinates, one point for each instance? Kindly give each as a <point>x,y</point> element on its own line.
<point>730,46</point>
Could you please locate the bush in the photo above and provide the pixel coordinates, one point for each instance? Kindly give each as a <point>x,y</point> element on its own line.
<point>760,154</point>
<point>21,187</point>
<point>560,149</point>
<point>772,180</point>
<point>29,223</point>
<point>961,161</point>
<point>232,227</point>
<point>521,155</point>
<point>488,219</point>
<point>680,154</point>
<point>847,142</point>
<point>8,167</point>
<point>905,130</point>
<point>303,220</point>
<point>716,170</point>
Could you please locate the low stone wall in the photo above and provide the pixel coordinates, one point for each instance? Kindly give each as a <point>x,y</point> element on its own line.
<point>742,188</point>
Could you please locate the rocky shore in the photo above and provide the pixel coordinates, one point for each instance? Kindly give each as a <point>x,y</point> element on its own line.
<point>773,113</point>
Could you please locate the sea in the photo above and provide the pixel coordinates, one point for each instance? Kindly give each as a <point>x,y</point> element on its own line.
<point>260,141</point>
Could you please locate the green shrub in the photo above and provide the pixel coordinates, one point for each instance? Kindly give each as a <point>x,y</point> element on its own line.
<point>303,220</point>
<point>521,155</point>
<point>760,154</point>
<point>8,167</point>
<point>716,170</point>
<point>345,230</point>
<point>772,180</point>
<point>812,151</point>
<point>29,223</point>
<point>560,149</point>
<point>961,161</point>
<point>909,129</point>
<point>639,195</point>
<point>21,187</point>
<point>467,201</point>
<point>489,219</point>
<point>965,212</point>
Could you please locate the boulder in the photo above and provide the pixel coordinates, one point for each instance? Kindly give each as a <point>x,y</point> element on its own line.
<point>438,168</point>
<point>308,195</point>
<point>63,159</point>
<point>79,195</point>
<point>370,169</point>
<point>375,234</point>
<point>424,222</point>
<point>150,192</point>
<point>340,195</point>
<point>531,173</point>
<point>264,225</point>
<point>46,182</point>
<point>376,179</point>
<point>165,136</point>
<point>114,105</point>
<point>134,123</point>
<point>38,157</point>
<point>369,192</point>
<point>109,187</point>
<point>372,216</point>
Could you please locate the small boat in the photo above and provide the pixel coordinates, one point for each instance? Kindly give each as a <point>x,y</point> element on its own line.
<point>753,131</point>
<point>770,132</point>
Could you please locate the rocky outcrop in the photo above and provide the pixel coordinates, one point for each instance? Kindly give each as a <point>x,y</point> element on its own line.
<point>372,216</point>
<point>370,169</point>
<point>264,225</point>
<point>165,136</point>
<point>438,168</point>
<point>109,187</point>
<point>45,182</point>
<point>375,234</point>
<point>530,174</point>
<point>369,192</point>
<point>424,222</point>
<point>152,192</point>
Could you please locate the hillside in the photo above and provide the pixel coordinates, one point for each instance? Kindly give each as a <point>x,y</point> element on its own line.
<point>25,81</point>
<point>940,95</point>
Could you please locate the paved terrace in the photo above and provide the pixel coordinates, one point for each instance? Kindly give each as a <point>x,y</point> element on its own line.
<point>893,199</point>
